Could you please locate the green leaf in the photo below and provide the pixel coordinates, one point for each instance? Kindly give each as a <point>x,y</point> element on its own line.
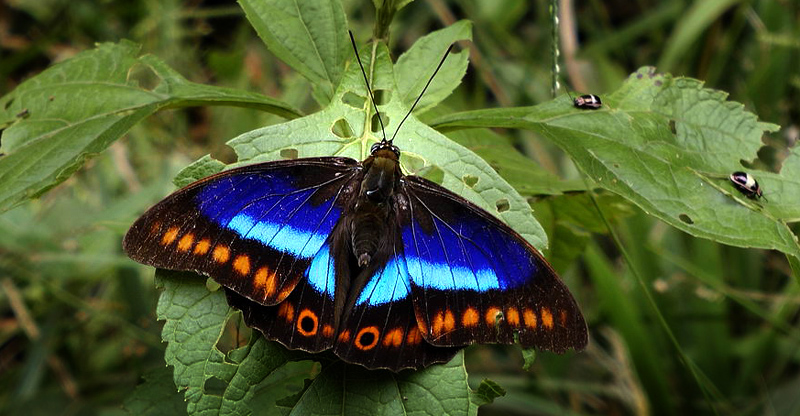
<point>309,36</point>
<point>77,108</point>
<point>423,149</point>
<point>415,67</point>
<point>342,389</point>
<point>525,175</point>
<point>214,382</point>
<point>200,168</point>
<point>488,390</point>
<point>156,396</point>
<point>629,148</point>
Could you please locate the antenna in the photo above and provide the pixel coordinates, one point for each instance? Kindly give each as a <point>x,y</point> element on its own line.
<point>568,94</point>
<point>438,67</point>
<point>371,97</point>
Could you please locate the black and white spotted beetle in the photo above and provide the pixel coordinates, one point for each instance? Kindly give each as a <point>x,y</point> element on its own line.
<point>746,184</point>
<point>588,102</point>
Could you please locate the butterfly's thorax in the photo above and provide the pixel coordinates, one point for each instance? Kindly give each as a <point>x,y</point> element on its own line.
<point>369,223</point>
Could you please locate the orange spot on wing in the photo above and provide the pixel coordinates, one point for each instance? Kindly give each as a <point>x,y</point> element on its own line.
<point>266,280</point>
<point>449,321</point>
<point>307,323</point>
<point>367,338</point>
<point>286,310</point>
<point>327,331</point>
<point>438,324</point>
<point>221,254</point>
<point>169,236</point>
<point>562,315</point>
<point>284,293</point>
<point>470,317</point>
<point>491,315</point>
<point>202,247</point>
<point>242,264</point>
<point>414,336</point>
<point>393,338</point>
<point>186,242</point>
<point>529,318</point>
<point>422,327</point>
<point>547,318</point>
<point>344,337</point>
<point>512,316</point>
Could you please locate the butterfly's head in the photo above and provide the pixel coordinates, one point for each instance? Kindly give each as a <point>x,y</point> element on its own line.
<point>383,146</point>
<point>382,172</point>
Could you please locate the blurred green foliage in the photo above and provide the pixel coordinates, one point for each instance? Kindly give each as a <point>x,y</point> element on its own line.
<point>78,318</point>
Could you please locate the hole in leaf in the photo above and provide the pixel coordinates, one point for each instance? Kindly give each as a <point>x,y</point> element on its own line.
<point>470,180</point>
<point>412,163</point>
<point>214,386</point>
<point>502,205</point>
<point>432,173</point>
<point>224,154</point>
<point>382,96</point>
<point>376,124</point>
<point>290,153</point>
<point>342,129</point>
<point>8,103</point>
<point>672,127</point>
<point>235,334</point>
<point>685,218</point>
<point>144,77</point>
<point>353,100</point>
<point>212,285</point>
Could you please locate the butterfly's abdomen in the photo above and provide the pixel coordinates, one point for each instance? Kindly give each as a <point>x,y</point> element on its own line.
<point>370,218</point>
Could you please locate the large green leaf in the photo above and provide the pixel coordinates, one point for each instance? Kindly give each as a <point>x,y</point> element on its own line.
<point>58,119</point>
<point>156,396</point>
<point>350,390</point>
<point>214,382</point>
<point>668,145</point>
<point>309,36</point>
<point>415,67</point>
<point>424,151</point>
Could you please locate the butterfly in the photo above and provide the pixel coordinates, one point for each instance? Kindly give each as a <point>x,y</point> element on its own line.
<point>387,270</point>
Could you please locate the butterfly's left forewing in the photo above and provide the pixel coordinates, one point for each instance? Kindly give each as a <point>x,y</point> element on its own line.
<point>475,280</point>
<point>265,232</point>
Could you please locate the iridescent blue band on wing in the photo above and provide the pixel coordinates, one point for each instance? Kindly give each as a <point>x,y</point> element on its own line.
<point>475,257</point>
<point>321,274</point>
<point>387,285</point>
<point>268,209</point>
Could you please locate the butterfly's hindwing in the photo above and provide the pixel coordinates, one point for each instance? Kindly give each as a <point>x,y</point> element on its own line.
<point>379,329</point>
<point>255,230</point>
<point>308,318</point>
<point>474,280</point>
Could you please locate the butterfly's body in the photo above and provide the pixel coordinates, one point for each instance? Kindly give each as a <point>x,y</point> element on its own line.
<point>372,212</point>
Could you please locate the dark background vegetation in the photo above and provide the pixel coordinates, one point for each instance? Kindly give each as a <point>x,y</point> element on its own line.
<point>77,318</point>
